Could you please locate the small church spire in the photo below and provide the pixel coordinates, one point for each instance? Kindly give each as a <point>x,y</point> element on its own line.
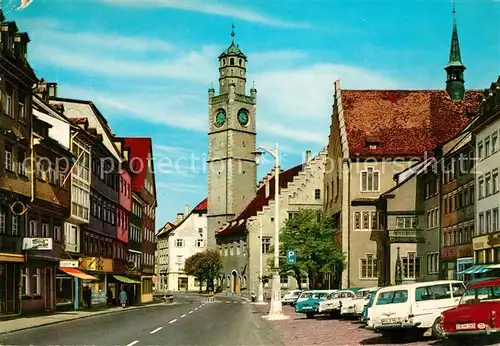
<point>232,33</point>
<point>455,68</point>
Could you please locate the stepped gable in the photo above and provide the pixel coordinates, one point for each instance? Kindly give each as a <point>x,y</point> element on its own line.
<point>260,201</point>
<point>406,123</point>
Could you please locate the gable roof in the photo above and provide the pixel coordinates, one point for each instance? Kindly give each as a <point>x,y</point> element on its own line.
<point>169,227</point>
<point>260,201</point>
<point>406,123</point>
<point>140,151</point>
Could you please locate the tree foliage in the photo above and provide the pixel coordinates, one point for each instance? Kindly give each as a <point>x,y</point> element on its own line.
<point>311,234</point>
<point>205,266</point>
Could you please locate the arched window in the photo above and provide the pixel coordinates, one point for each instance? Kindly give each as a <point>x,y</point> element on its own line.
<point>239,62</point>
<point>223,61</point>
<point>231,61</point>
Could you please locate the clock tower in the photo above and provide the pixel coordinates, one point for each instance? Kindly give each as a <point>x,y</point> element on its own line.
<point>232,171</point>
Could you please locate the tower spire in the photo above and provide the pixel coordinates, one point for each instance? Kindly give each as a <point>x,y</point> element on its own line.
<point>455,68</point>
<point>232,32</point>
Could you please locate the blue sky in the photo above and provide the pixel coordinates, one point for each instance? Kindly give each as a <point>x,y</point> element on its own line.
<point>148,64</point>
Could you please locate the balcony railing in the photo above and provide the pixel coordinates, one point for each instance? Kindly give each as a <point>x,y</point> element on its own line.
<point>406,236</point>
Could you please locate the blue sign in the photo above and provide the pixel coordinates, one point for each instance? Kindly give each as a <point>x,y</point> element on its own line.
<point>291,256</point>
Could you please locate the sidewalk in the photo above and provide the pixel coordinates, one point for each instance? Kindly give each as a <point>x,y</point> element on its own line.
<point>27,322</point>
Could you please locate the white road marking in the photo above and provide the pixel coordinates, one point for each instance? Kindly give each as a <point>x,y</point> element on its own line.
<point>133,343</point>
<point>183,316</point>
<point>156,330</point>
<point>175,319</point>
<point>228,302</point>
<point>190,312</point>
<point>235,302</point>
<point>195,309</point>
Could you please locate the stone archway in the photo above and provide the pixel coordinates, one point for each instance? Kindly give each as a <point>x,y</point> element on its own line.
<point>235,281</point>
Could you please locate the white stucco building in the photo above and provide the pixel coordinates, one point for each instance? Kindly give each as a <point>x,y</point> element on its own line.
<point>176,242</point>
<point>486,242</point>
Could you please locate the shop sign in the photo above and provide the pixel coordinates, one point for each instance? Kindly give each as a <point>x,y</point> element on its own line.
<point>480,243</point>
<point>37,244</point>
<point>494,240</point>
<point>448,253</point>
<point>97,264</point>
<point>69,264</point>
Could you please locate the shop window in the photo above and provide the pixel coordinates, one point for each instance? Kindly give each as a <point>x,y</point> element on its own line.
<point>37,282</point>
<point>25,281</point>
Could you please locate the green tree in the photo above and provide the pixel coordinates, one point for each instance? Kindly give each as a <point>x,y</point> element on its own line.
<point>205,266</point>
<point>193,266</point>
<point>311,234</point>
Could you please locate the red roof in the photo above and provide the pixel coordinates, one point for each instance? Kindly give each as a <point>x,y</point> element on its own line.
<point>202,206</point>
<point>403,122</point>
<point>139,150</point>
<point>260,200</point>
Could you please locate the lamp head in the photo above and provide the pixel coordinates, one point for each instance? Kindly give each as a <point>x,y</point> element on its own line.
<point>258,156</point>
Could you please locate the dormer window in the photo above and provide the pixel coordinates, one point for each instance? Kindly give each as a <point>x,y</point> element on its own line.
<point>372,145</point>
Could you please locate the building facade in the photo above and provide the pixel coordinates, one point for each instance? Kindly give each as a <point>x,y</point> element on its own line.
<point>232,171</point>
<point>486,242</point>
<point>17,178</point>
<point>239,241</point>
<point>143,196</point>
<point>181,241</point>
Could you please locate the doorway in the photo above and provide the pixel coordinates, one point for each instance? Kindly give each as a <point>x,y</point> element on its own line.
<point>48,289</point>
<point>183,284</point>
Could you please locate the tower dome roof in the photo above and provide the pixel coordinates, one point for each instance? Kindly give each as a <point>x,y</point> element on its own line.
<point>233,50</point>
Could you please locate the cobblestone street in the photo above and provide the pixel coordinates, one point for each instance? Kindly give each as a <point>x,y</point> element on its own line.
<point>298,330</point>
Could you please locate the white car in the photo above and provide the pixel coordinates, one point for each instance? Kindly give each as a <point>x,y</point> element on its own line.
<point>354,307</point>
<point>335,301</point>
<point>402,310</point>
<point>290,297</point>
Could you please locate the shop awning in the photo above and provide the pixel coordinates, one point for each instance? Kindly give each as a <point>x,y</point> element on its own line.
<point>126,280</point>
<point>477,269</point>
<point>78,274</point>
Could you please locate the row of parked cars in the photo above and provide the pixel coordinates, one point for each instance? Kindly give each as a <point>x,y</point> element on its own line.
<point>442,309</point>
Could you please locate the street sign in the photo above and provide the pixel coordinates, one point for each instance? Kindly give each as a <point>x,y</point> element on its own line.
<point>291,256</point>
<point>69,263</point>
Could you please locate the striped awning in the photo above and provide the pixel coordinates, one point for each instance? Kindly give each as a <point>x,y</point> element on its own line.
<point>477,269</point>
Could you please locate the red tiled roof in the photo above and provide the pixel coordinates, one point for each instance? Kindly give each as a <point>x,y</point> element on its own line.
<point>139,149</point>
<point>404,122</point>
<point>202,206</point>
<point>260,200</point>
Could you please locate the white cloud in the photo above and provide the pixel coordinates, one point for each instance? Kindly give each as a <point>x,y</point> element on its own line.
<point>179,187</point>
<point>219,9</point>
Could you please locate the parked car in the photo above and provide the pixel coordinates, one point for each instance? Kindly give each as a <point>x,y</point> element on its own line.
<point>365,316</point>
<point>290,297</point>
<point>308,302</point>
<point>477,314</point>
<point>413,309</point>
<point>333,304</point>
<point>354,307</point>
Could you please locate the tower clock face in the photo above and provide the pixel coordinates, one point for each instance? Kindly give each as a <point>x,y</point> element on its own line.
<point>243,117</point>
<point>220,118</point>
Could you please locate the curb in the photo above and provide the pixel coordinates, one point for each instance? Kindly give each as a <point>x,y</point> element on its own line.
<point>106,312</point>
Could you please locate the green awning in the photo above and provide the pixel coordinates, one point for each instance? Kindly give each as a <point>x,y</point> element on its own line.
<point>125,279</point>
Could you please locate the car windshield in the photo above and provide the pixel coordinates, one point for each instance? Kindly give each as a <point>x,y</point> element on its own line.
<point>320,295</point>
<point>296,294</point>
<point>362,294</point>
<point>481,294</point>
<point>306,295</point>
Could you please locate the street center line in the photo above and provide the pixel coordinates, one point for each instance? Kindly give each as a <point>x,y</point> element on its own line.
<point>235,302</point>
<point>183,316</point>
<point>133,343</point>
<point>175,319</point>
<point>195,309</point>
<point>190,312</point>
<point>156,330</point>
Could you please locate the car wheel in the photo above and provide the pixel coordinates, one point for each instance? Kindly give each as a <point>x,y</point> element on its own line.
<point>309,315</point>
<point>437,330</point>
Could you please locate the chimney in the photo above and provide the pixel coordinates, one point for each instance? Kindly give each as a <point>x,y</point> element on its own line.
<point>180,217</point>
<point>21,40</point>
<point>52,90</point>
<point>187,210</point>
<point>308,155</point>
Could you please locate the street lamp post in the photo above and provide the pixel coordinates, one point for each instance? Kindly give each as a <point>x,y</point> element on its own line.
<point>275,310</point>
<point>260,288</point>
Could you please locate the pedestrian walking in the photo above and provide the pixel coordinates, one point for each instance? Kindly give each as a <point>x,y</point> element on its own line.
<point>123,298</point>
<point>110,297</point>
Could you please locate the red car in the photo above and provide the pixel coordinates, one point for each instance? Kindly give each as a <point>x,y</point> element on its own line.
<point>477,316</point>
